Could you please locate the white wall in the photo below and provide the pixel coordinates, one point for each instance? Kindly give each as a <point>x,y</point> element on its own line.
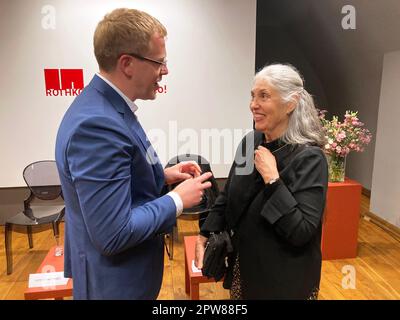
<point>386,175</point>
<point>211,57</point>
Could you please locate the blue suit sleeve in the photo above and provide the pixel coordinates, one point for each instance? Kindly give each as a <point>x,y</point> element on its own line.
<point>99,156</point>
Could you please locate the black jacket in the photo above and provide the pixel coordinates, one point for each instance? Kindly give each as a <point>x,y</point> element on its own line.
<point>277,228</point>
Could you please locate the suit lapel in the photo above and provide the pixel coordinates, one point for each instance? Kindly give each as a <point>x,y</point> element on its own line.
<point>133,125</point>
<point>120,105</point>
<point>151,155</point>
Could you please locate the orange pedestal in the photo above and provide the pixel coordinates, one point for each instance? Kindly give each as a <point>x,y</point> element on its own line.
<point>192,279</point>
<point>51,263</point>
<point>341,219</point>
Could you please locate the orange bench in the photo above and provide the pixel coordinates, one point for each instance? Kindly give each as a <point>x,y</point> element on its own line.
<point>192,279</point>
<point>51,263</point>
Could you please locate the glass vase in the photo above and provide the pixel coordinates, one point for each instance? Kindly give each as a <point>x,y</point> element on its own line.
<point>337,168</point>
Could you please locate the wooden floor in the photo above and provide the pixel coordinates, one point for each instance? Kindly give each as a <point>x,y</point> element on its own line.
<point>377,267</point>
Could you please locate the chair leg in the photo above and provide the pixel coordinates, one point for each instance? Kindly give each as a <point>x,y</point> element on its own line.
<point>175,232</point>
<point>165,245</point>
<point>168,247</point>
<point>174,236</point>
<point>171,245</point>
<point>30,238</point>
<point>8,242</point>
<point>56,232</point>
<point>56,229</point>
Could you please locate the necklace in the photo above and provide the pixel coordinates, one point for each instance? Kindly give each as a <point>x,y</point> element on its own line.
<point>279,148</point>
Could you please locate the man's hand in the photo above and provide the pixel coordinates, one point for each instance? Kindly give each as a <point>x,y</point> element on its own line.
<point>199,251</point>
<point>191,190</point>
<point>181,171</point>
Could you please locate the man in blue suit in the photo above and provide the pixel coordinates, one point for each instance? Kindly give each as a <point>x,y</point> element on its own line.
<point>111,178</point>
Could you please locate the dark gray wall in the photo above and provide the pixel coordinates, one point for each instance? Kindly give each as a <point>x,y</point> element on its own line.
<point>342,68</point>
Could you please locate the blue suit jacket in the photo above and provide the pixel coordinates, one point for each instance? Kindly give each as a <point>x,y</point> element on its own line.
<point>114,213</point>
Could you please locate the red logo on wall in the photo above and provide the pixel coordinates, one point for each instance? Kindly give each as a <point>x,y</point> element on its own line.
<point>63,82</point>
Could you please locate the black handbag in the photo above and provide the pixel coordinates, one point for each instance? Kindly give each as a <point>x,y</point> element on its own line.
<point>218,249</point>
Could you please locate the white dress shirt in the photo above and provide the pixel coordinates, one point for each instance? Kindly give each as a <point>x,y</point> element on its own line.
<point>131,104</point>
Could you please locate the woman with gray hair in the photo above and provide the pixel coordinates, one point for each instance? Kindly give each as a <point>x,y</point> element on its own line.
<point>274,213</point>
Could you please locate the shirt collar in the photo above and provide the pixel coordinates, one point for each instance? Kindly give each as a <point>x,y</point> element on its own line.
<point>131,104</point>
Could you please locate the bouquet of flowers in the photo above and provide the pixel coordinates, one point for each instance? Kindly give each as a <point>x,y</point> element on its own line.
<point>343,137</point>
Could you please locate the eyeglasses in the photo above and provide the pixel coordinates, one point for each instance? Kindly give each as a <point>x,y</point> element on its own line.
<point>160,63</point>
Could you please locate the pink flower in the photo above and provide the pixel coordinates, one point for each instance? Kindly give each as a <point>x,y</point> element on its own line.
<point>341,136</point>
<point>346,136</point>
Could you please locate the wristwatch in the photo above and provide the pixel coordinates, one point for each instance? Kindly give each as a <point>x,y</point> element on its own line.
<point>272,181</point>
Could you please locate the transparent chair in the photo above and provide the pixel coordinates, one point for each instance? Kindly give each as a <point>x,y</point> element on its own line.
<point>44,184</point>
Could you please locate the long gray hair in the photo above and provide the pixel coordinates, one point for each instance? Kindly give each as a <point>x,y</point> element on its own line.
<point>304,124</point>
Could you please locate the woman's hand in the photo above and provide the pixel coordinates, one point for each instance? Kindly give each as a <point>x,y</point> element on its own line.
<point>199,251</point>
<point>265,164</point>
<point>181,171</point>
